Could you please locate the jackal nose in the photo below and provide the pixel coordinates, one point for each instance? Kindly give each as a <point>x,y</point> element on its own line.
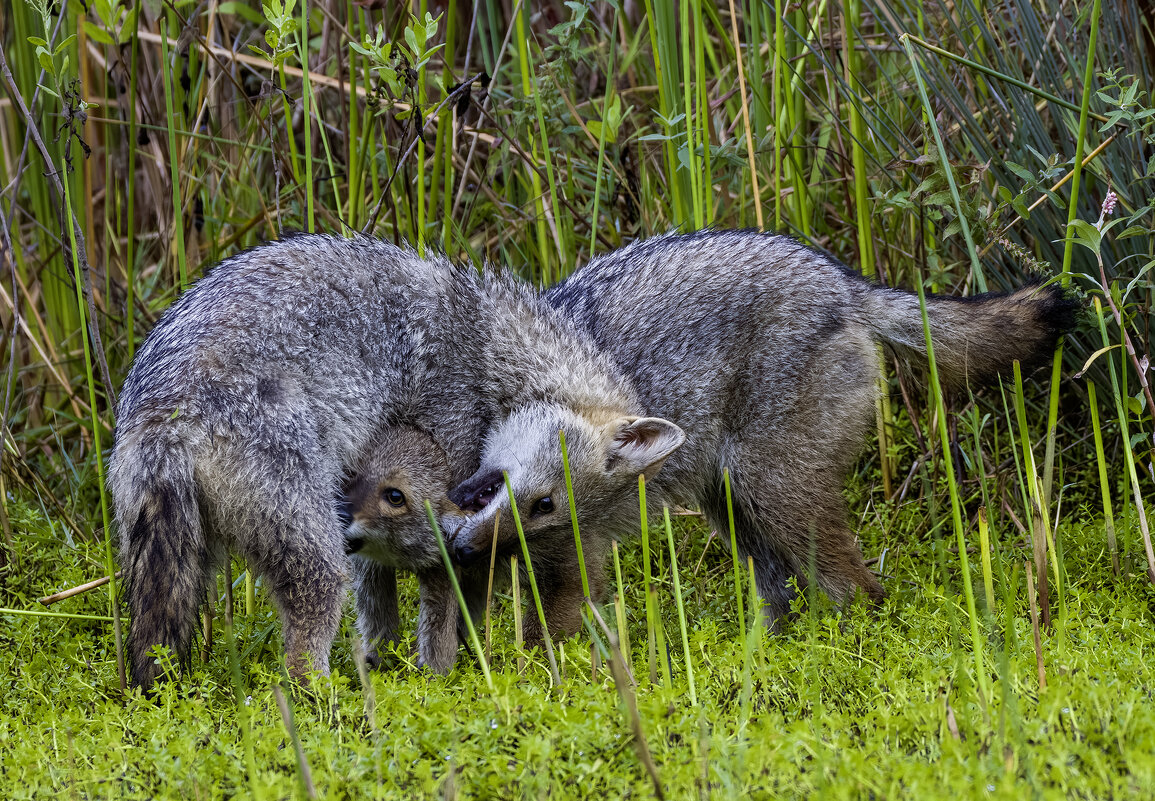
<point>467,555</point>
<point>474,494</point>
<point>353,545</point>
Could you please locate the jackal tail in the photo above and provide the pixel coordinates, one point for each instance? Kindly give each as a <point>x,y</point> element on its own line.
<point>163,550</point>
<point>974,338</point>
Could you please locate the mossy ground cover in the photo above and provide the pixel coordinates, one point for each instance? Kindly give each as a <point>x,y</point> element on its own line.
<point>843,703</point>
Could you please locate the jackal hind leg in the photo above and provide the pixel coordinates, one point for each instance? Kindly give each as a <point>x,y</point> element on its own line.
<point>798,528</point>
<point>306,567</point>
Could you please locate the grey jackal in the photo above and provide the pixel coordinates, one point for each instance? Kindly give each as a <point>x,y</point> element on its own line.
<point>261,387</point>
<point>763,351</point>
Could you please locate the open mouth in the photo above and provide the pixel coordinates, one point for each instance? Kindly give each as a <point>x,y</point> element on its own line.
<point>474,494</point>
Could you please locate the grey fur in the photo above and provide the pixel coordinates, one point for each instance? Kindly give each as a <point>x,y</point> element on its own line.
<point>763,352</point>
<point>261,387</point>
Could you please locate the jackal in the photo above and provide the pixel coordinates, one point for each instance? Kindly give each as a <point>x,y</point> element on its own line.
<point>763,351</point>
<point>388,530</point>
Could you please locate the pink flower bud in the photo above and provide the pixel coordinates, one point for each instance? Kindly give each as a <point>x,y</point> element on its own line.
<point>1109,203</point>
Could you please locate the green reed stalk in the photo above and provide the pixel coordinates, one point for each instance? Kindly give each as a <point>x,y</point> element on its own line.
<point>663,27</point>
<point>130,221</point>
<point>756,628</point>
<point>533,583</point>
<point>795,110</point>
<point>577,537</point>
<point>473,640</point>
<point>1128,455</point>
<point>1045,545</point>
<point>287,113</point>
<point>734,550</point>
<point>1002,76</point>
<point>97,427</point>
<point>445,131</point>
<point>1068,248</point>
<point>692,171</point>
<point>851,15</point>
<point>554,217</point>
<point>534,178</point>
<point>702,82</point>
<point>739,60</point>
<point>779,78</point>
<point>976,267</point>
<point>647,580</point>
<point>620,610</point>
<point>609,95</point>
<point>985,547</point>
<point>681,607</point>
<point>956,505</point>
<point>306,114</point>
<point>515,592</point>
<point>1104,485</point>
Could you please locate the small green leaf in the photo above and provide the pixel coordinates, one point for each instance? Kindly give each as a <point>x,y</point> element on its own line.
<point>243,10</point>
<point>128,27</point>
<point>1134,230</point>
<point>97,34</point>
<point>60,47</point>
<point>1023,173</point>
<point>1085,234</point>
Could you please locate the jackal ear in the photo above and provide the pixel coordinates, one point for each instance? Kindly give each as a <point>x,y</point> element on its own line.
<point>641,444</point>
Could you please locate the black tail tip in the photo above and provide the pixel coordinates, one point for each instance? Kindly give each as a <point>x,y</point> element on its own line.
<point>1058,308</point>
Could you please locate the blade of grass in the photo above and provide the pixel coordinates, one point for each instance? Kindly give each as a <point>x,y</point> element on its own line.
<point>97,427</point>
<point>956,509</point>
<point>734,550</point>
<point>1068,248</point>
<point>545,634</point>
<point>944,160</point>
<point>681,608</point>
<point>577,537</point>
<point>174,160</point>
<point>1104,486</point>
<point>473,641</point>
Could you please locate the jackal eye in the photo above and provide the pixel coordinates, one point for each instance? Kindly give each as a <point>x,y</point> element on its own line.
<point>393,496</point>
<point>542,506</point>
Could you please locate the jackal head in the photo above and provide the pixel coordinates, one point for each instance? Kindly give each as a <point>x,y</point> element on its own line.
<point>384,503</point>
<point>606,456</point>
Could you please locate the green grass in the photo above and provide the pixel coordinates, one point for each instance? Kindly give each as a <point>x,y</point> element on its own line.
<point>929,144</point>
<point>845,705</point>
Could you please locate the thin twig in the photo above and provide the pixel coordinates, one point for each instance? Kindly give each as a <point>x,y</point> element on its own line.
<point>77,590</point>
<point>417,137</point>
